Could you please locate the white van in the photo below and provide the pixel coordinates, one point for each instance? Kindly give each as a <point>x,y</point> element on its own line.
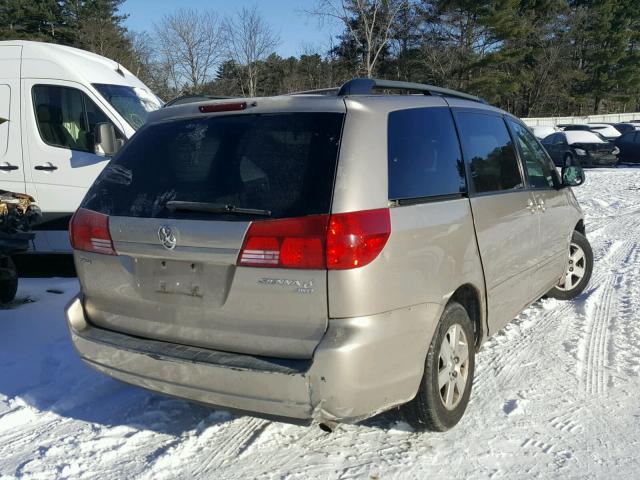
<point>51,98</point>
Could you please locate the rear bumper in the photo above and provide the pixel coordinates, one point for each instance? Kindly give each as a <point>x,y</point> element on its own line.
<point>362,366</point>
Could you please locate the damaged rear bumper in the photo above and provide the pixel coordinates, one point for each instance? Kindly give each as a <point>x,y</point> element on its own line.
<point>363,366</point>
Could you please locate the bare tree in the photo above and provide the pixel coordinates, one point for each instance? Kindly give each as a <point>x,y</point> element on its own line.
<point>189,47</point>
<point>368,22</point>
<point>249,40</point>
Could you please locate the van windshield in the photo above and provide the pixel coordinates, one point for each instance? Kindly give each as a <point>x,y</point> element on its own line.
<point>276,165</point>
<point>133,103</point>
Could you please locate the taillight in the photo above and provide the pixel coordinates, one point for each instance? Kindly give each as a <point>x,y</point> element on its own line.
<point>339,241</point>
<point>89,232</point>
<point>287,243</point>
<point>355,239</point>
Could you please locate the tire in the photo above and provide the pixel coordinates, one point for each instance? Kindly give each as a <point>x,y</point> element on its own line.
<point>580,255</point>
<point>8,286</point>
<point>428,410</point>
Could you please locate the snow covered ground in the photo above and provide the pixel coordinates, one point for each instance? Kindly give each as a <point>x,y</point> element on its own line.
<point>556,394</point>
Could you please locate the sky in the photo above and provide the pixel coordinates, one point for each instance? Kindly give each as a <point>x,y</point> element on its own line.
<point>297,30</point>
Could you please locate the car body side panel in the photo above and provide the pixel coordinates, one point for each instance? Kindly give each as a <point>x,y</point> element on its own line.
<point>509,242</point>
<point>557,218</point>
<point>431,252</point>
<point>432,249</point>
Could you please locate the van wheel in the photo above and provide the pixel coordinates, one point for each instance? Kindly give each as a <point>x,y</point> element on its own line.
<point>448,374</point>
<point>578,269</point>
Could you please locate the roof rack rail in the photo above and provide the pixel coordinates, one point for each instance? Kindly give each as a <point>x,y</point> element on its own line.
<point>317,91</point>
<point>365,86</point>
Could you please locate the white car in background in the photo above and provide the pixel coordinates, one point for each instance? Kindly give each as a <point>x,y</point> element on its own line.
<point>52,98</point>
<point>607,131</point>
<point>543,131</point>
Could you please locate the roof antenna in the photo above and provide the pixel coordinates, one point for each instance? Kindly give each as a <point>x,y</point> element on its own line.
<point>119,70</point>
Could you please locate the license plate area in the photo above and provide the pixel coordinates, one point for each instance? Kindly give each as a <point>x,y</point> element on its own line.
<point>180,278</point>
<point>170,277</point>
<point>182,282</point>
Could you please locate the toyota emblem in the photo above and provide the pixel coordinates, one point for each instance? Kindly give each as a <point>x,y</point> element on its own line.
<point>167,237</point>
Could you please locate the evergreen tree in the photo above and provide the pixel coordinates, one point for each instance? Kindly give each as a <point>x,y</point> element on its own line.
<point>33,20</point>
<point>606,38</point>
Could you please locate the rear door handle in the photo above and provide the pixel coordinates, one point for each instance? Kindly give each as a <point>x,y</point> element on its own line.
<point>47,167</point>
<point>7,167</point>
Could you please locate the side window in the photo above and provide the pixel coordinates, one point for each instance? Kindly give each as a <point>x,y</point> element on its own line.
<point>66,117</point>
<point>540,172</point>
<point>424,158</point>
<point>489,151</point>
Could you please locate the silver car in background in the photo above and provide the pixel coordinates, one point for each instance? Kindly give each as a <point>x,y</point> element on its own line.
<point>322,256</point>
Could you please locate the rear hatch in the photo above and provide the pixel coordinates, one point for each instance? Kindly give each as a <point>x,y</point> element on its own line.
<point>179,201</point>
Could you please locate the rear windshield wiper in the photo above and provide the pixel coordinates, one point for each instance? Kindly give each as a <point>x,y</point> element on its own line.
<point>175,205</point>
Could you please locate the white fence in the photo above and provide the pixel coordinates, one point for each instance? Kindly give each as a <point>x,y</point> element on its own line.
<point>609,118</point>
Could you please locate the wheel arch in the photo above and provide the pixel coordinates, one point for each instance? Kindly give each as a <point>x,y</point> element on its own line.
<point>580,227</point>
<point>469,297</point>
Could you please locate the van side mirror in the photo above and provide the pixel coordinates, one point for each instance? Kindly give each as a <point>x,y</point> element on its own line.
<point>572,176</point>
<point>106,144</point>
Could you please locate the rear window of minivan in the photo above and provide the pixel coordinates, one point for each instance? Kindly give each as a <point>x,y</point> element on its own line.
<point>284,163</point>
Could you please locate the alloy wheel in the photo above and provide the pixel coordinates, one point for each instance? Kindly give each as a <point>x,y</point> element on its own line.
<point>576,267</point>
<point>453,369</point>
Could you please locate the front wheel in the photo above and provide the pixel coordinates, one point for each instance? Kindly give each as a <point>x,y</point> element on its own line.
<point>448,374</point>
<point>577,271</point>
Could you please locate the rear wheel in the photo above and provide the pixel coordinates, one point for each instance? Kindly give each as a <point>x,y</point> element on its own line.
<point>448,374</point>
<point>578,269</point>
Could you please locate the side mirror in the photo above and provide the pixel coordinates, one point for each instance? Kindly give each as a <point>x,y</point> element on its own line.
<point>106,144</point>
<point>572,176</point>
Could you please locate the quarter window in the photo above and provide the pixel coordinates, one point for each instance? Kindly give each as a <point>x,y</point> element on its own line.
<point>489,152</point>
<point>539,171</point>
<point>66,117</point>
<point>424,158</point>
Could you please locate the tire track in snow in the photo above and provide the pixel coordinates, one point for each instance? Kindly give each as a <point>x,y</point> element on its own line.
<point>214,446</point>
<point>594,347</point>
<point>238,441</point>
<point>593,351</point>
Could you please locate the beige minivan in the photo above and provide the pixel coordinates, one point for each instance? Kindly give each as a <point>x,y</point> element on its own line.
<point>322,256</point>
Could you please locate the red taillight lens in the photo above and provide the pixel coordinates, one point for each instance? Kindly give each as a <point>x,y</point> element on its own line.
<point>287,243</point>
<point>337,242</point>
<point>89,232</point>
<point>355,239</point>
